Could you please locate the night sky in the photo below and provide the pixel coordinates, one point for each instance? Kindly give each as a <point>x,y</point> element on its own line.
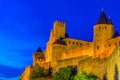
<point>26,24</point>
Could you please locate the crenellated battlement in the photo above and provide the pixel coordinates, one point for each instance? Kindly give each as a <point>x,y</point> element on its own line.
<point>59,23</point>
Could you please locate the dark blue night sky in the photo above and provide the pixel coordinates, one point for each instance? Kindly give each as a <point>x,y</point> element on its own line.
<point>26,24</point>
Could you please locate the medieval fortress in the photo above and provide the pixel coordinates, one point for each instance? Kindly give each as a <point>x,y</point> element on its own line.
<point>101,56</point>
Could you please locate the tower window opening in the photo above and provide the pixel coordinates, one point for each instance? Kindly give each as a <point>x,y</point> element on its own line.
<point>105,27</point>
<point>69,42</point>
<point>73,42</point>
<point>76,43</point>
<point>99,27</point>
<point>109,45</point>
<point>97,47</point>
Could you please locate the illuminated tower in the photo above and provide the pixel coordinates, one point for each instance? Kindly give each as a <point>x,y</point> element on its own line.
<point>59,30</point>
<point>38,57</point>
<point>56,33</point>
<point>103,31</point>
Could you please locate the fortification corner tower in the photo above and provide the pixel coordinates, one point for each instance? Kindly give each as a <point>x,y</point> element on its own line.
<point>103,31</point>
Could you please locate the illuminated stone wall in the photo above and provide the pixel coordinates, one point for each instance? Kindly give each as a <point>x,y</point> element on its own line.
<point>104,67</point>
<point>99,47</point>
<point>102,33</point>
<point>26,73</point>
<point>101,56</point>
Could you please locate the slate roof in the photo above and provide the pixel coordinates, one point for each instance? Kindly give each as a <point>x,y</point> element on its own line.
<point>109,21</point>
<point>66,35</point>
<point>102,19</point>
<point>60,41</point>
<point>39,50</point>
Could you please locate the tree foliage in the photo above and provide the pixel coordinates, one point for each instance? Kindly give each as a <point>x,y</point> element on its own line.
<point>84,76</point>
<point>64,73</point>
<point>37,72</point>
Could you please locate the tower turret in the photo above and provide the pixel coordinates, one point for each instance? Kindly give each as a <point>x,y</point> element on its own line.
<point>103,31</point>
<point>38,57</point>
<point>102,19</point>
<point>58,30</point>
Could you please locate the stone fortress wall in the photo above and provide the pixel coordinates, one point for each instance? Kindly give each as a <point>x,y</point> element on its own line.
<point>101,56</point>
<point>103,68</point>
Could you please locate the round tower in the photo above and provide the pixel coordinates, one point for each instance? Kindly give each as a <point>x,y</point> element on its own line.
<point>103,31</point>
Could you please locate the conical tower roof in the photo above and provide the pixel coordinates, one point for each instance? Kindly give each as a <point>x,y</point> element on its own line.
<point>39,50</point>
<point>60,41</point>
<point>109,21</point>
<point>102,19</point>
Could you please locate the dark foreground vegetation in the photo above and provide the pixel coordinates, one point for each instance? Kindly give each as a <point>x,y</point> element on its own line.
<point>64,73</point>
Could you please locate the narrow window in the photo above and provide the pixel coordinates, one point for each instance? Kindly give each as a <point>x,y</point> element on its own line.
<point>109,45</point>
<point>97,47</point>
<point>69,42</point>
<point>76,43</point>
<point>73,42</point>
<point>99,27</point>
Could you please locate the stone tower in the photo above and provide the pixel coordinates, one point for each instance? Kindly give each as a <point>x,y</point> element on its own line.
<point>56,33</point>
<point>38,57</point>
<point>103,31</point>
<point>59,30</point>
